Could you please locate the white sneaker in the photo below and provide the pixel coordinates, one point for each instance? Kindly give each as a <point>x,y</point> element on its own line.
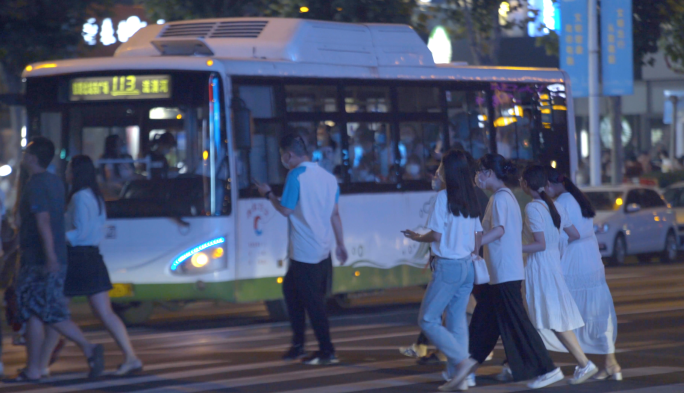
<point>490,356</point>
<point>470,380</point>
<point>460,388</point>
<point>547,379</point>
<point>582,374</point>
<point>506,375</point>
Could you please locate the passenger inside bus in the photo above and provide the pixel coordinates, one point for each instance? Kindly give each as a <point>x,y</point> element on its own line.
<point>114,176</point>
<point>162,145</point>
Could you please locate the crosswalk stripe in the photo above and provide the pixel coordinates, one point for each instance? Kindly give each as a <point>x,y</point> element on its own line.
<point>68,376</point>
<point>265,337</point>
<point>497,388</point>
<point>156,378</point>
<point>316,372</point>
<point>375,384</point>
<point>676,388</point>
<point>346,340</point>
<point>232,382</point>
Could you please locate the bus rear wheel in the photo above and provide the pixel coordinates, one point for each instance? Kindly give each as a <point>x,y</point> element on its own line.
<point>133,313</point>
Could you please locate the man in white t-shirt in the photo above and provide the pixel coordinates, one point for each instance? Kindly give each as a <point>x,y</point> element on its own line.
<point>309,202</point>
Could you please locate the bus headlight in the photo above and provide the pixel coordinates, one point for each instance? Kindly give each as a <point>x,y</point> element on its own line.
<point>205,258</point>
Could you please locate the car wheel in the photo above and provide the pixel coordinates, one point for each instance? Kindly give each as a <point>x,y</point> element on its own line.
<point>671,248</point>
<point>619,250</point>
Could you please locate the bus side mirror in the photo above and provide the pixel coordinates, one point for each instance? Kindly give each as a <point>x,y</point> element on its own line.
<point>242,120</point>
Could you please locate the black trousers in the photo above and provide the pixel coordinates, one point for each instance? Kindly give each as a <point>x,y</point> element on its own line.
<point>500,312</point>
<point>304,289</point>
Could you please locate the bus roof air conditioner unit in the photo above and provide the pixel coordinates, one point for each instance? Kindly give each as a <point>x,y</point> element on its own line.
<point>177,47</point>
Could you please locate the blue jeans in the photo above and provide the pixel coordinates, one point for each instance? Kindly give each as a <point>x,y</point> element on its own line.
<point>449,290</point>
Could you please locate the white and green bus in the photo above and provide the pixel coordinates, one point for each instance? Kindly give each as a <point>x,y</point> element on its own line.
<point>373,107</point>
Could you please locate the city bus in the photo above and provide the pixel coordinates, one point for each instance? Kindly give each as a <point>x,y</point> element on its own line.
<point>184,220</point>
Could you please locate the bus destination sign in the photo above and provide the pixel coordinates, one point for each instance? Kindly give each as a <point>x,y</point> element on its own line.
<point>120,87</point>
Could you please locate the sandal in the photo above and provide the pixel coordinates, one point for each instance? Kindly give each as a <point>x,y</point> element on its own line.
<point>96,361</point>
<point>21,378</point>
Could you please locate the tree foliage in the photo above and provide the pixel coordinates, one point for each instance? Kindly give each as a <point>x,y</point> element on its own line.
<point>652,20</point>
<point>480,23</point>
<point>672,40</point>
<point>38,30</point>
<point>372,11</point>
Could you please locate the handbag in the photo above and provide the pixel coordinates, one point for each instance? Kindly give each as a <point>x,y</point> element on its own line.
<point>481,272</point>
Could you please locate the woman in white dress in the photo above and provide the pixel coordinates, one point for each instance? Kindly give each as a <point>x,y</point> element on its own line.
<point>549,302</point>
<point>585,276</point>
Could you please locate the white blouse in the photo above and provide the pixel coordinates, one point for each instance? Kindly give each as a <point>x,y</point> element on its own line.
<point>85,219</point>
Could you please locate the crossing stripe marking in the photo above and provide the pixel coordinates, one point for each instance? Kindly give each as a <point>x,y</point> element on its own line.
<point>315,372</point>
<point>346,340</point>
<point>153,367</point>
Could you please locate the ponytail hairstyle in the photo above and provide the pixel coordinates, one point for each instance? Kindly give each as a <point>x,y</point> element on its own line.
<point>536,179</point>
<point>503,169</point>
<point>461,197</point>
<point>556,177</point>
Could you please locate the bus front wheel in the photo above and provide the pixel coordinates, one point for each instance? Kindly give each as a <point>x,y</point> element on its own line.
<point>133,313</point>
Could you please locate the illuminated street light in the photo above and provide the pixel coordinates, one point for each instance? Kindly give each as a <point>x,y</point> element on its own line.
<point>303,9</point>
<point>440,45</point>
<point>5,170</point>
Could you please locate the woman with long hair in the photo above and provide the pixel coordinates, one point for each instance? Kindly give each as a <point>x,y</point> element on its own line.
<point>549,302</point>
<point>500,311</point>
<point>86,272</point>
<point>586,278</point>
<point>455,232</point>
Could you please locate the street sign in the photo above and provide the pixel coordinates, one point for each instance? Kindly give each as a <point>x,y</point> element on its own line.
<point>617,62</point>
<point>574,53</point>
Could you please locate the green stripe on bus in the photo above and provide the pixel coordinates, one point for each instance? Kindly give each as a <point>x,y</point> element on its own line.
<point>346,279</point>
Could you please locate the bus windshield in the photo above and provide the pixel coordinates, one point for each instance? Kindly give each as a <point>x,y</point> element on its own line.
<point>151,154</point>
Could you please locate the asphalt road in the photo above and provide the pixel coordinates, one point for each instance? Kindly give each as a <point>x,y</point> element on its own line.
<point>219,348</point>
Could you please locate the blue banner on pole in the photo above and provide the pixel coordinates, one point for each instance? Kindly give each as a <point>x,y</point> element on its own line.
<point>617,62</point>
<point>574,53</point>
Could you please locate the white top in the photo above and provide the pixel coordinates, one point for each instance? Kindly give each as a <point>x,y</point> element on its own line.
<point>504,255</point>
<point>312,193</point>
<point>585,226</point>
<point>458,232</point>
<point>85,220</point>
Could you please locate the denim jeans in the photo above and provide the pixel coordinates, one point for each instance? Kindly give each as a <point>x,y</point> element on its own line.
<point>449,290</point>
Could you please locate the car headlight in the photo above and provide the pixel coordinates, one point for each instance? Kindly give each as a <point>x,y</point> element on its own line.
<point>601,228</point>
<point>205,258</point>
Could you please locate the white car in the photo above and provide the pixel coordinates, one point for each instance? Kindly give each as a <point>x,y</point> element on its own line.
<point>674,195</point>
<point>633,220</point>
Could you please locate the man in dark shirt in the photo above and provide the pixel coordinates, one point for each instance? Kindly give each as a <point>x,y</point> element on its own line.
<point>40,282</point>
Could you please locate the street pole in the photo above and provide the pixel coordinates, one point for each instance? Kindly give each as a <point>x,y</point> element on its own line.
<point>673,128</point>
<point>594,135</point>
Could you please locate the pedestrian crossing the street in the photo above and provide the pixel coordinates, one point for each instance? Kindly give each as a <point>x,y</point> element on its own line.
<point>238,360</point>
<point>248,358</point>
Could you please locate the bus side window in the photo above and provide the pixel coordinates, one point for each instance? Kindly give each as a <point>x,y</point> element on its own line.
<point>263,162</point>
<point>367,99</point>
<point>304,98</point>
<point>371,153</point>
<point>418,99</point>
<point>420,147</point>
<point>323,142</point>
<point>467,112</point>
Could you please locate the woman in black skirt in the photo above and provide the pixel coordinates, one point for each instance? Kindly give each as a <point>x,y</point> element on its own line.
<point>86,272</point>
